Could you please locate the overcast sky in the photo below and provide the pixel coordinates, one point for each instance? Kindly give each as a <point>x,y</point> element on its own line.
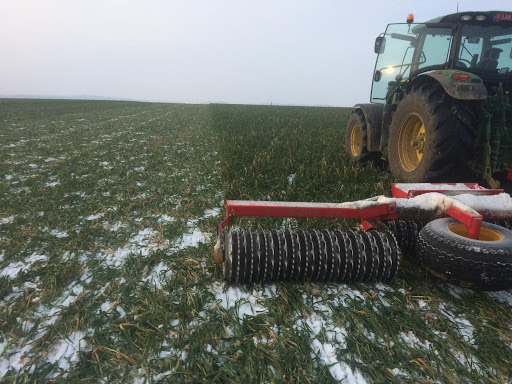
<point>249,52</point>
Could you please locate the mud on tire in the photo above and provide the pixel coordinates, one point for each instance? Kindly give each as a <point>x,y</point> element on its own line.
<point>449,135</point>
<point>356,138</point>
<point>475,264</point>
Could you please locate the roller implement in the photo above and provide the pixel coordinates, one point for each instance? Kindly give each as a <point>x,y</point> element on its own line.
<point>441,100</point>
<point>460,232</point>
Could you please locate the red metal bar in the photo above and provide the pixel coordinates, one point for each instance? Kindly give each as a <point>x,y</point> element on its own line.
<point>509,173</point>
<point>236,208</point>
<point>472,222</point>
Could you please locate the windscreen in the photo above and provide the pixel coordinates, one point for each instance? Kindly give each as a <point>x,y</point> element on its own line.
<point>407,48</point>
<point>486,49</point>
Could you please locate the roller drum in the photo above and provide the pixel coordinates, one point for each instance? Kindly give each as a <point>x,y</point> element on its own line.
<point>314,256</point>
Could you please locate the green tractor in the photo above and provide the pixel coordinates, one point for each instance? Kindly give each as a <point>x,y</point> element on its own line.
<point>441,100</point>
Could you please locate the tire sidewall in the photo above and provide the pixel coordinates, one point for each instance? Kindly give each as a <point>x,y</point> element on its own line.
<point>413,103</point>
<point>355,119</point>
<point>485,265</point>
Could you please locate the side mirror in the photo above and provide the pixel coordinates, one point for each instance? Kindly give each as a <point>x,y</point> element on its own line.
<point>380,44</point>
<point>473,40</point>
<point>377,76</point>
<point>510,53</point>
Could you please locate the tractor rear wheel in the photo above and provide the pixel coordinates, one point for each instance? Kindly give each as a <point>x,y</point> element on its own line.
<point>431,137</point>
<point>356,136</point>
<point>444,248</point>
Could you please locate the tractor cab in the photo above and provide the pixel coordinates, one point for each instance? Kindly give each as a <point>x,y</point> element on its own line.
<point>478,44</point>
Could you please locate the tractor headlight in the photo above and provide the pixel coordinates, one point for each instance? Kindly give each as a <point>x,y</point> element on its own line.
<point>466,17</point>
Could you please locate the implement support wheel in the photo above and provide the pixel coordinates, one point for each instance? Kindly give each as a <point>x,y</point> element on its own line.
<point>445,249</point>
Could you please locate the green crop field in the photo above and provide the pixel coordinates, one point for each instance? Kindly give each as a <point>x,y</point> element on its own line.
<point>108,213</point>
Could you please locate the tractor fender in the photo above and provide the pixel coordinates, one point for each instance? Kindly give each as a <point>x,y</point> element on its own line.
<point>471,89</point>
<point>373,117</point>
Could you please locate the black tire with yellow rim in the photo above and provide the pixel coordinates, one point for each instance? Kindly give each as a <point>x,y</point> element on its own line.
<point>431,137</point>
<point>356,136</point>
<point>445,249</point>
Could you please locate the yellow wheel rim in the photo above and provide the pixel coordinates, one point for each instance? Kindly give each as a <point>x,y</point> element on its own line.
<point>356,141</point>
<point>486,234</point>
<point>411,142</point>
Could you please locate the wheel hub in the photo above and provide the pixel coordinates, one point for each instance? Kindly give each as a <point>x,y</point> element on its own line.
<point>356,141</point>
<point>418,143</point>
<point>411,142</point>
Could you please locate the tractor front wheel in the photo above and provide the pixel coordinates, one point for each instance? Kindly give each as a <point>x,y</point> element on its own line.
<point>431,136</point>
<point>356,136</point>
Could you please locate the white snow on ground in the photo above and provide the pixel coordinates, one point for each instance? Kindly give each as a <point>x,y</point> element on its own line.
<point>504,297</point>
<point>7,220</point>
<point>94,217</point>
<point>412,340</point>
<point>58,234</point>
<point>464,327</point>
<point>52,184</point>
<point>113,227</point>
<point>149,240</point>
<point>12,270</point>
<point>65,352</point>
<point>195,236</point>
<point>340,371</point>
<point>158,275</point>
<point>192,238</point>
<point>246,302</point>
<point>142,244</point>
<point>2,254</point>
<point>211,212</point>
<point>319,321</point>
<point>165,219</point>
<point>459,292</point>
<point>432,186</point>
<point>17,356</point>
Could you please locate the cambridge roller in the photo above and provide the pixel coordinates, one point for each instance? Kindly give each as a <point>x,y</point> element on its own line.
<point>414,221</point>
<point>314,256</point>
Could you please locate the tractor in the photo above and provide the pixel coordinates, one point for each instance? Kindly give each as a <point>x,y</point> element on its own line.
<point>440,100</point>
<point>440,111</point>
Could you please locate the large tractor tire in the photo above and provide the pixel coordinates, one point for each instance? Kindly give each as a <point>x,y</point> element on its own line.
<point>431,137</point>
<point>356,136</point>
<point>444,248</point>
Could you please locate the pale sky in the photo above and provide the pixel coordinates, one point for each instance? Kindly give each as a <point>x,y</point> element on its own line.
<point>246,52</point>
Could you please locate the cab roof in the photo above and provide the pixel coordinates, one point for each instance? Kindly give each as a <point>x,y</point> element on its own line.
<point>490,16</point>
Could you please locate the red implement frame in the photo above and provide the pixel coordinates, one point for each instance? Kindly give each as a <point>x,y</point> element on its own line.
<point>370,213</point>
<point>235,208</point>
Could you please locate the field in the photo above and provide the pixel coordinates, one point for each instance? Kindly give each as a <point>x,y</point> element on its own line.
<point>108,213</point>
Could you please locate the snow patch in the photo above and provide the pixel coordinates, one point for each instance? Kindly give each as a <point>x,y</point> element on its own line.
<point>464,327</point>
<point>504,297</point>
<point>158,275</point>
<point>94,217</point>
<point>14,268</point>
<point>66,352</point>
<point>246,303</point>
<point>58,234</point>
<point>165,219</point>
<point>7,220</point>
<point>340,371</point>
<point>142,244</point>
